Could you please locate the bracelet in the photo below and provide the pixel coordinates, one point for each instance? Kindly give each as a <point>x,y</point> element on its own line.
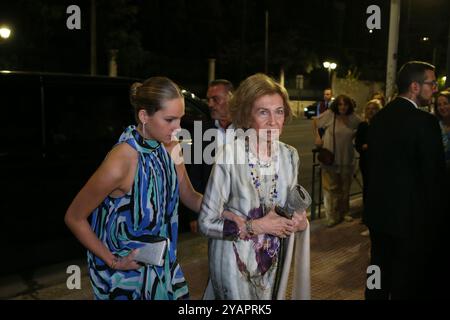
<point>114,262</point>
<point>249,227</point>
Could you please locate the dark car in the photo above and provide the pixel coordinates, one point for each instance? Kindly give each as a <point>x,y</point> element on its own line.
<point>311,110</point>
<point>55,130</point>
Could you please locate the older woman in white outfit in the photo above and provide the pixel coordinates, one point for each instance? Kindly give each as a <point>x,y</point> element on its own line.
<point>250,177</point>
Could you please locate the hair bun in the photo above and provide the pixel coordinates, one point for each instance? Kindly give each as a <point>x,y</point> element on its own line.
<point>133,92</point>
<point>134,87</point>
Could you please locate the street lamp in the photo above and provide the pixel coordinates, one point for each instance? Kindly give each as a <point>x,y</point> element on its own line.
<point>330,66</point>
<point>5,32</point>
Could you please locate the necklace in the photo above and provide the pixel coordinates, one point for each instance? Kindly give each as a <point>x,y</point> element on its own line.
<point>255,173</point>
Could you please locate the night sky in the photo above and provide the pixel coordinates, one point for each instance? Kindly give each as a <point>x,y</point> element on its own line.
<point>176,37</point>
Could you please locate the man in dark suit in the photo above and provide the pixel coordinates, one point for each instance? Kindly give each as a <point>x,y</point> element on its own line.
<point>404,210</point>
<point>218,96</point>
<point>323,105</point>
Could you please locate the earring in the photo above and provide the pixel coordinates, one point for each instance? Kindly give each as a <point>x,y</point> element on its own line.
<point>143,130</point>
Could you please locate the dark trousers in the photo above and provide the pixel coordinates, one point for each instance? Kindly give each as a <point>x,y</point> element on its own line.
<point>365,181</point>
<point>406,271</point>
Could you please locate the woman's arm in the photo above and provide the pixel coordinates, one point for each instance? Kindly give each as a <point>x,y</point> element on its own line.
<point>190,198</point>
<point>319,125</point>
<point>317,139</point>
<point>217,222</point>
<point>110,177</point>
<point>271,223</point>
<point>211,222</point>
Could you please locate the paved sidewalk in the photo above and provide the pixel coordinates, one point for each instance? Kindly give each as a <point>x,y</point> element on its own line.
<point>339,257</point>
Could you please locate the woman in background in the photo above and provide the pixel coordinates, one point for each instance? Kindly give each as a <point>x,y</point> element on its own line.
<point>442,111</point>
<point>340,124</point>
<point>372,107</point>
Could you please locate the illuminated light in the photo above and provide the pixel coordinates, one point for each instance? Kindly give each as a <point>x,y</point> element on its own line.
<point>425,39</point>
<point>370,31</point>
<point>5,32</point>
<point>329,65</point>
<point>444,78</point>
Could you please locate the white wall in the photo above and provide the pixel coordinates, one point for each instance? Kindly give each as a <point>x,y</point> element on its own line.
<point>298,106</point>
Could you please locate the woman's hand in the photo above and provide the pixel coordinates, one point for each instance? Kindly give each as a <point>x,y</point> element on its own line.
<point>300,221</point>
<point>318,141</point>
<point>193,226</point>
<point>240,222</point>
<point>126,263</point>
<point>273,224</point>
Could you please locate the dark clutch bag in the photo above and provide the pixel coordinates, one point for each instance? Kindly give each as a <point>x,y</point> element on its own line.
<point>325,156</point>
<point>282,212</point>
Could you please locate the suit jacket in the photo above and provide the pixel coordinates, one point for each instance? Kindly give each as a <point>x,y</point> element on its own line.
<point>406,171</point>
<point>360,140</point>
<point>199,172</point>
<point>322,107</point>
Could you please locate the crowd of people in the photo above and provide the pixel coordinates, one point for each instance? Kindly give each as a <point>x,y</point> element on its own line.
<point>404,165</point>
<point>131,202</point>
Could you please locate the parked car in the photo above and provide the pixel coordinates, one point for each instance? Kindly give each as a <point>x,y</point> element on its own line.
<point>55,130</point>
<point>311,110</point>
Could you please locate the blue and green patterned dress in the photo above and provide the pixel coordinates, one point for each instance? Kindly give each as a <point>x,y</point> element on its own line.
<point>123,224</point>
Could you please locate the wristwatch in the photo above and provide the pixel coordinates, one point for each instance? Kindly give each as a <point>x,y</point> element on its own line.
<point>249,227</point>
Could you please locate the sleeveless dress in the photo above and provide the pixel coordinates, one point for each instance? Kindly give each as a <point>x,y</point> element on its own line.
<point>124,223</point>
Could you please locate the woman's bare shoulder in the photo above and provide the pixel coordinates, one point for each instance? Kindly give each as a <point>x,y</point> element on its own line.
<point>120,159</point>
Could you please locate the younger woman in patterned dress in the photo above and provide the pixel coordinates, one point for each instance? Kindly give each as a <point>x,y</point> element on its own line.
<point>133,196</point>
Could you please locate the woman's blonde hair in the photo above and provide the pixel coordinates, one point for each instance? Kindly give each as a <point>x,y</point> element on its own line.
<point>249,91</point>
<point>152,94</point>
<point>375,102</point>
